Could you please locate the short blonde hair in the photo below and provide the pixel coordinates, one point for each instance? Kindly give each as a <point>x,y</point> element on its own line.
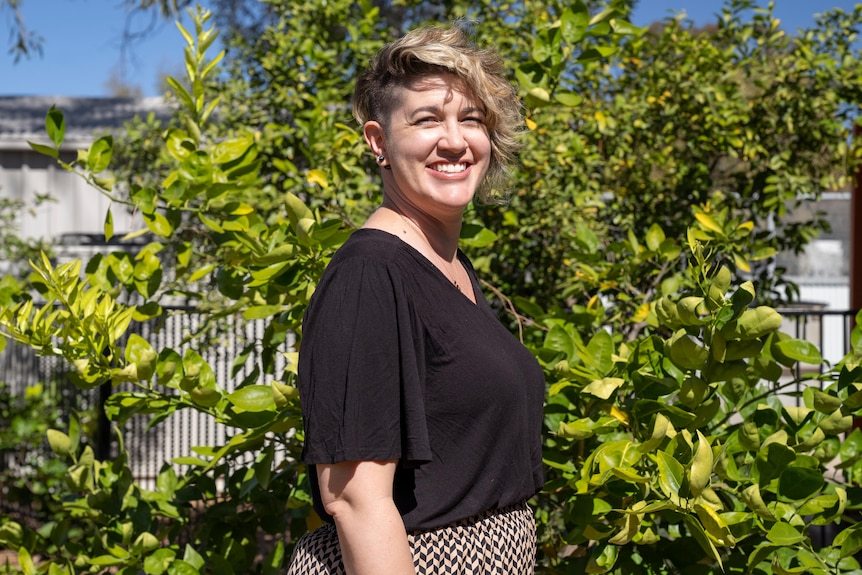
<point>435,50</point>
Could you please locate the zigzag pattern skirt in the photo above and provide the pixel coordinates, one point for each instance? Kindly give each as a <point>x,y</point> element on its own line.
<point>499,542</point>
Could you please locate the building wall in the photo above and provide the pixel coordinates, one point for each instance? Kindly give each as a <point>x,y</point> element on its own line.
<point>78,208</point>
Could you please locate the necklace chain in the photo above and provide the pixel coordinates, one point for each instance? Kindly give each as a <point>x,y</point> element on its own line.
<point>451,274</point>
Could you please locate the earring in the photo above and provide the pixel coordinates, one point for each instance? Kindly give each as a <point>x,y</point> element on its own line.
<point>381,158</point>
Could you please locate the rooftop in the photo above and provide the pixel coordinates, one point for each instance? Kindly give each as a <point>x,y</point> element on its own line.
<point>22,118</point>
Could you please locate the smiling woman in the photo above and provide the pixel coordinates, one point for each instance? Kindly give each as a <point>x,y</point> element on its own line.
<point>422,413</point>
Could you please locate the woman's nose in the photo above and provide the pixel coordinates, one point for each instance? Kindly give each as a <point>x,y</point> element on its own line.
<point>453,139</point>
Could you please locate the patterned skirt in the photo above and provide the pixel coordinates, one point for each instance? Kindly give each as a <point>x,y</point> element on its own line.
<point>499,542</point>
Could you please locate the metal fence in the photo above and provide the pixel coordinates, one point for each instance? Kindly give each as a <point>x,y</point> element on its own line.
<point>149,448</point>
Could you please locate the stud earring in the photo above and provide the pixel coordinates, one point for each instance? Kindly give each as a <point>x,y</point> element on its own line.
<point>381,158</point>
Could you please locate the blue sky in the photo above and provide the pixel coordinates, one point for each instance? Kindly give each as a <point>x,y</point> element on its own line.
<point>83,38</point>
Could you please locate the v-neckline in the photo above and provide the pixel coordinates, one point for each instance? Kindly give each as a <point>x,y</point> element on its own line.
<point>462,258</point>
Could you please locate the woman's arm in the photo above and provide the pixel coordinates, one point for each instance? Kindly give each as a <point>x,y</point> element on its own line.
<point>358,495</point>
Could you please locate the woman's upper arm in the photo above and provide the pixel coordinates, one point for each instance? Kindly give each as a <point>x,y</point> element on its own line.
<point>354,484</point>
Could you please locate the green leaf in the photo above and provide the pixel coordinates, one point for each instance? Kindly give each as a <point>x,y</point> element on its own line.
<point>25,561</point>
<point>106,561</point>
<point>109,225</point>
<point>99,154</point>
<point>60,443</point>
<point>685,352</point>
<point>701,466</point>
<point>558,339</point>
<point>603,558</point>
<point>254,398</point>
<point>849,540</point>
<point>569,99</point>
<point>799,483</point>
<point>142,354</point>
<point>603,388</point>
<point>546,45</point>
<point>282,393</point>
<point>45,150</point>
<point>801,351</point>
<point>179,567</point>
<point>742,349</point>
<point>784,534</point>
<point>836,423</point>
<point>539,94</point>
<point>232,150</point>
<point>757,322</point>
<point>144,543</point>
<point>851,447</point>
<point>263,466</point>
<point>158,224</point>
<point>193,558</point>
<point>671,474</point>
<point>261,311</point>
<point>709,223</point>
<point>192,461</point>
<point>574,22</point>
<point>296,208</point>
<point>477,236</point>
<point>196,372</point>
<point>156,563</point>
<point>205,396</point>
<point>586,237</point>
<point>654,238</point>
<point>742,297</point>
<point>600,352</point>
<point>55,125</point>
<point>821,401</point>
<point>772,460</point>
<point>715,526</point>
<point>703,540</point>
<point>596,52</point>
<point>586,427</point>
<point>625,28</point>
<point>751,496</point>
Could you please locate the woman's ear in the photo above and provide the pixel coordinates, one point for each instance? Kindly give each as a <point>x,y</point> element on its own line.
<point>373,133</point>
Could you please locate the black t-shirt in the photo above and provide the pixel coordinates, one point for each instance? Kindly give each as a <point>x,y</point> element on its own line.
<point>396,363</point>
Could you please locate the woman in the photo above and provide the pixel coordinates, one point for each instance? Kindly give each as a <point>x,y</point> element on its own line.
<point>422,413</point>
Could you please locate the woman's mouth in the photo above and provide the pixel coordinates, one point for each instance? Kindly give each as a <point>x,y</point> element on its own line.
<point>449,168</point>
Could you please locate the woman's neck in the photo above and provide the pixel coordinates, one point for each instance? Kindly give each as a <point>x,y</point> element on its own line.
<point>440,235</point>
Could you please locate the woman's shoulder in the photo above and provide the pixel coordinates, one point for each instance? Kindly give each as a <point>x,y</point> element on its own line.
<point>370,242</point>
<point>369,246</point>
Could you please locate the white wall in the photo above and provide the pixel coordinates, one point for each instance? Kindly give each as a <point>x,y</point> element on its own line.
<point>78,208</point>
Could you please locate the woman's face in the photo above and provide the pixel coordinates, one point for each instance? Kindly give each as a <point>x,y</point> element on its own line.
<point>436,143</point>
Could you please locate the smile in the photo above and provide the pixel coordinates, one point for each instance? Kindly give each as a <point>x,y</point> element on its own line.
<point>449,168</point>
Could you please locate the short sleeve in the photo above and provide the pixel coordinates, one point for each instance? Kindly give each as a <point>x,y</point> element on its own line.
<point>361,368</point>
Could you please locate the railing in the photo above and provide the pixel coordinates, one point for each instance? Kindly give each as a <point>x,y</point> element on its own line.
<point>829,330</point>
<point>150,448</point>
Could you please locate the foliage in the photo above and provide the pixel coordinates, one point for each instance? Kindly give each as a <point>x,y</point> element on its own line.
<point>28,476</point>
<point>737,126</point>
<point>260,269</point>
<point>693,449</point>
<point>655,466</point>
<point>614,148</point>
